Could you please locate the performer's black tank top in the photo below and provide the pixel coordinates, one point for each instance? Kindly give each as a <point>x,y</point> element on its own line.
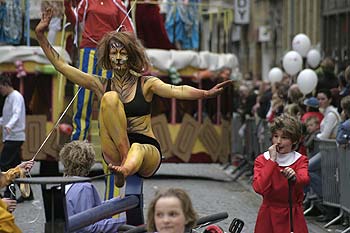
<point>138,106</point>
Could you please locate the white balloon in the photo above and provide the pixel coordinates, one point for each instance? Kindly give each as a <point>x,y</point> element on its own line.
<point>313,58</point>
<point>302,44</point>
<point>275,75</point>
<point>307,81</point>
<point>292,62</point>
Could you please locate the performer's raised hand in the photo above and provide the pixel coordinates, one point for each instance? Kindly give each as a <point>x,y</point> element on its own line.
<point>45,21</point>
<point>217,89</point>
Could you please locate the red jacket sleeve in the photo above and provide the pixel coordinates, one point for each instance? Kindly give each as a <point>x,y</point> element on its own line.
<point>262,174</point>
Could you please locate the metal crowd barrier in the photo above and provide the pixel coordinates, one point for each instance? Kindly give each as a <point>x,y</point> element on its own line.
<point>263,135</point>
<point>344,179</point>
<point>256,139</point>
<point>249,143</point>
<point>251,140</point>
<point>330,177</point>
<point>237,142</point>
<point>329,166</point>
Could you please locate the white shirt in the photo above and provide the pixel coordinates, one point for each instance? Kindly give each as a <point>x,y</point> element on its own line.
<point>13,117</point>
<point>329,124</point>
<point>284,160</point>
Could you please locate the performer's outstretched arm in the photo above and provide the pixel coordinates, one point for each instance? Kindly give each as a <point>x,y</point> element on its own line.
<point>157,86</point>
<point>73,74</point>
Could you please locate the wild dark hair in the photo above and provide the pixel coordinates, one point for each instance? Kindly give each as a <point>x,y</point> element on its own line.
<point>186,204</point>
<point>327,93</point>
<point>289,125</point>
<point>137,58</point>
<point>5,80</point>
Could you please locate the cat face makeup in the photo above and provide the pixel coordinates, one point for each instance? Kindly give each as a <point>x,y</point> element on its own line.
<point>118,55</point>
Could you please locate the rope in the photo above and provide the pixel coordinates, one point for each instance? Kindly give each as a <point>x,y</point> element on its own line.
<point>57,122</point>
<point>126,16</point>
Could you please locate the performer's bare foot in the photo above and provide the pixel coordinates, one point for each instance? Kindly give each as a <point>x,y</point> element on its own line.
<point>119,177</point>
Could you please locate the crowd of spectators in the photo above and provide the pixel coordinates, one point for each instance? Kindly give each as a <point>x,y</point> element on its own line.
<point>324,114</point>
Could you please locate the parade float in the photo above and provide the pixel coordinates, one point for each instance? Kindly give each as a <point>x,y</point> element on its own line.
<point>188,131</point>
<point>45,93</point>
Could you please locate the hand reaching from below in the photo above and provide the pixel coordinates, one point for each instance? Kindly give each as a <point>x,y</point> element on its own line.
<point>11,204</point>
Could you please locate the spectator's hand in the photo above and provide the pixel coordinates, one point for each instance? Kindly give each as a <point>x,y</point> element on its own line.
<point>273,152</point>
<point>343,116</point>
<point>255,108</point>
<point>288,172</point>
<point>11,204</point>
<point>344,146</point>
<point>27,165</point>
<point>8,130</point>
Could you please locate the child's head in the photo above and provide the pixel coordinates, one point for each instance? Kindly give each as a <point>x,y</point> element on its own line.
<point>289,126</point>
<point>77,158</point>
<point>347,74</point>
<point>174,205</point>
<point>345,105</point>
<point>312,124</point>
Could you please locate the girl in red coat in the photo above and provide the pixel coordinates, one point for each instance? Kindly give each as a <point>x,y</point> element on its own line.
<point>272,170</point>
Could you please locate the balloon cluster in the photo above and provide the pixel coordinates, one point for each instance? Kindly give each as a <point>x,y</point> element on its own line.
<point>293,64</point>
<point>20,69</point>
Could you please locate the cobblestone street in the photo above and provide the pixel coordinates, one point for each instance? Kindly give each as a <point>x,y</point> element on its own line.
<point>209,186</point>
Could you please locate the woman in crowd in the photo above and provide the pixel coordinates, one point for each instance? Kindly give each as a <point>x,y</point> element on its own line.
<point>328,130</point>
<point>329,124</point>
